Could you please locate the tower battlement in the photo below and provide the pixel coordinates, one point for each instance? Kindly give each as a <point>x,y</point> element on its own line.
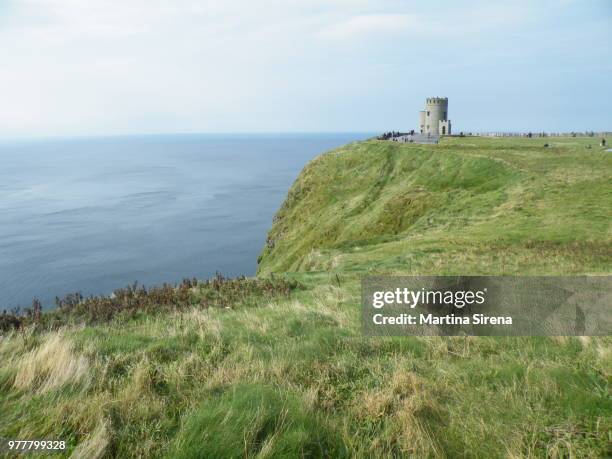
<point>437,100</point>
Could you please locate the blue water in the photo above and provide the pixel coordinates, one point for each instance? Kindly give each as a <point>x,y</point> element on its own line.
<point>92,215</point>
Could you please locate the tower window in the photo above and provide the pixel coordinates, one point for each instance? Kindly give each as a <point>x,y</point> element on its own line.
<point>427,112</point>
<point>444,115</point>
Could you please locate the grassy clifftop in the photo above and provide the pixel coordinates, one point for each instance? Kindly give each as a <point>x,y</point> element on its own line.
<point>277,366</point>
<point>469,205</point>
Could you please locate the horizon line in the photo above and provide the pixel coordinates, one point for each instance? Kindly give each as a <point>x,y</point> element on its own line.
<point>68,137</point>
<point>36,138</point>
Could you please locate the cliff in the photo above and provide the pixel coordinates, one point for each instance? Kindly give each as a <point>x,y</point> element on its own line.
<point>468,205</point>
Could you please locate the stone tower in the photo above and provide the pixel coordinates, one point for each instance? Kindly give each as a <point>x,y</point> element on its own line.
<point>434,119</point>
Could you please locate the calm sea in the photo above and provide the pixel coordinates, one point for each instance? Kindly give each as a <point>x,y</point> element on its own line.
<point>92,215</point>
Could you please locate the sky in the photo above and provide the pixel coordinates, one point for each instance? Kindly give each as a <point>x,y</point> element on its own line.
<point>115,67</point>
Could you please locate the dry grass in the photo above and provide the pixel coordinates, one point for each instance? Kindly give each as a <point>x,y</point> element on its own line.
<point>96,444</point>
<point>51,365</point>
<point>405,405</point>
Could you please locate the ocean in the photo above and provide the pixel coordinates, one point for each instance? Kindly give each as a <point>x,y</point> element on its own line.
<point>95,214</point>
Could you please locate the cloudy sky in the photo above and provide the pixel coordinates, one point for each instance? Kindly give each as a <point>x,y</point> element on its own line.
<point>83,67</point>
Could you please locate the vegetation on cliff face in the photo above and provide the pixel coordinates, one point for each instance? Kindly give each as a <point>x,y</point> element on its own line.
<point>468,205</point>
<point>290,375</point>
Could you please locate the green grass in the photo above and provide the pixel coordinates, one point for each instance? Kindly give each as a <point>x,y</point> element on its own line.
<point>256,418</point>
<point>292,376</point>
<point>464,206</point>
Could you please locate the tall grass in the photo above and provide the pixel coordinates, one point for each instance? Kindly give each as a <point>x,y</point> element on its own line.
<point>51,365</point>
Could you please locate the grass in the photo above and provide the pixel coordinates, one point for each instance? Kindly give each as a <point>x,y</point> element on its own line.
<point>260,419</point>
<point>288,374</point>
<point>470,205</point>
